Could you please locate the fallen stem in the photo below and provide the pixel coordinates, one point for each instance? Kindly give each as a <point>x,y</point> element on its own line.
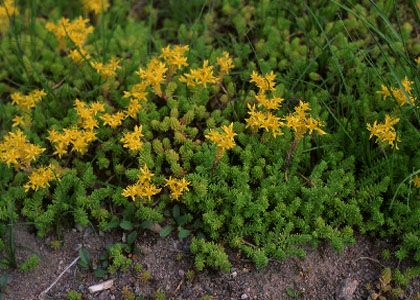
<point>41,296</point>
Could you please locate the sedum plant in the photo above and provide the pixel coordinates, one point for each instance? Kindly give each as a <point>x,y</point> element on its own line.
<point>262,143</point>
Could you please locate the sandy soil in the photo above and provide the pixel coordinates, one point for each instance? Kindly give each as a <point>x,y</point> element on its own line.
<point>322,274</point>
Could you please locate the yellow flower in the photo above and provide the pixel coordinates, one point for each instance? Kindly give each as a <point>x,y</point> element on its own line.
<point>97,107</point>
<point>177,186</point>
<point>385,132</point>
<point>60,141</point>
<point>7,10</point>
<point>154,74</point>
<point>264,83</point>
<point>132,191</point>
<point>301,122</point>
<point>96,6</point>
<point>76,31</point>
<point>22,121</point>
<point>225,63</point>
<point>137,91</point>
<point>87,114</point>
<point>27,102</point>
<point>264,120</point>
<point>17,151</point>
<point>174,56</point>
<point>224,141</point>
<point>401,95</point>
<point>132,140</point>
<point>41,177</point>
<point>133,108</point>
<point>108,70</point>
<point>79,55</point>
<point>200,76</point>
<point>385,91</point>
<point>113,120</point>
<point>81,140</point>
<point>269,104</point>
<point>145,174</point>
<point>416,181</point>
<point>143,187</point>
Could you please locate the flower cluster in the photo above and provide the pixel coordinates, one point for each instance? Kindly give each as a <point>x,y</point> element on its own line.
<point>96,6</point>
<point>87,113</point>
<point>301,122</point>
<point>264,118</point>
<point>385,132</point>
<point>132,140</point>
<point>143,188</point>
<point>264,83</point>
<point>79,55</point>
<point>108,70</point>
<point>154,75</point>
<point>225,63</point>
<point>27,102</point>
<point>79,139</point>
<point>76,31</point>
<point>177,186</point>
<point>402,95</point>
<point>113,120</point>
<point>41,177</point>
<point>22,121</point>
<point>17,151</point>
<point>161,69</point>
<point>175,56</point>
<point>416,181</point>
<point>224,141</point>
<point>7,10</point>
<point>136,94</point>
<point>200,76</point>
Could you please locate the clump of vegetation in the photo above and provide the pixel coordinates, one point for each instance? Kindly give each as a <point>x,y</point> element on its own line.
<point>74,295</point>
<point>302,128</point>
<point>30,263</point>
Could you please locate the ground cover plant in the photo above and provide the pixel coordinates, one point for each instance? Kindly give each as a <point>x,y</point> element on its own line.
<point>260,126</point>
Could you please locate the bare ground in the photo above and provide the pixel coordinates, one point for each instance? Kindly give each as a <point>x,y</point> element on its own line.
<point>322,274</point>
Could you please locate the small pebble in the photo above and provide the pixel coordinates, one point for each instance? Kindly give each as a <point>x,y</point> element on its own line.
<point>244,296</point>
<point>181,273</point>
<point>234,274</point>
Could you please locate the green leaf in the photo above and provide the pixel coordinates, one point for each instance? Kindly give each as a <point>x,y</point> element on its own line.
<point>166,231</point>
<point>146,224</point>
<point>176,211</point>
<point>126,225</point>
<point>131,238</point>
<point>3,281</point>
<point>183,233</point>
<point>114,223</point>
<point>84,261</point>
<point>100,273</point>
<point>181,220</point>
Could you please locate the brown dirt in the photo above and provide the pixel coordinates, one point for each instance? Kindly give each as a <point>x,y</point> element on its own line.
<point>320,275</point>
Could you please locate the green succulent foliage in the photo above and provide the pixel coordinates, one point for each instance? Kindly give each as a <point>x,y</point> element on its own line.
<point>209,254</point>
<point>118,259</point>
<point>30,263</point>
<point>74,295</point>
<point>333,54</point>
